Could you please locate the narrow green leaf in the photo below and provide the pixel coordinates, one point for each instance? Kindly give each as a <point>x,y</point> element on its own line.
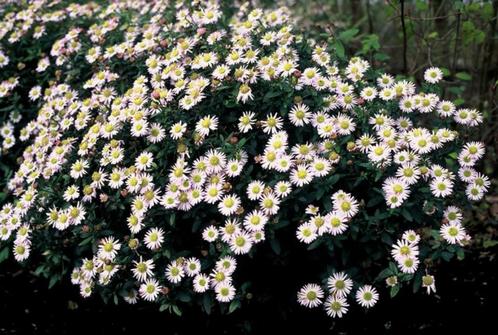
<point>463,76</point>
<point>394,291</point>
<point>233,306</point>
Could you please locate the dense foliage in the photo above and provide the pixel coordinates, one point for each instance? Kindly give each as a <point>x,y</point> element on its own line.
<point>160,142</point>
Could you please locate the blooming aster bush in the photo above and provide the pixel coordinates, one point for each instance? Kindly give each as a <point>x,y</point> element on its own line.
<point>167,140</point>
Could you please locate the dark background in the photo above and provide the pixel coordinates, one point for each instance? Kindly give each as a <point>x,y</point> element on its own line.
<point>465,301</point>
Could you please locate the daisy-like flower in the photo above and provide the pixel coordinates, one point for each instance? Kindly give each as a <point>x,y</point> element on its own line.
<point>429,283</point>
<point>336,306</point>
<point>441,187</point>
<point>272,124</point>
<point>245,93</point>
<point>78,169</point>
<point>397,187</point>
<point>143,269</point>
<point>215,161</point>
<point>335,223</point>
<point>221,71</point>
<point>433,75</point>
<point>404,249</point>
<point>306,233</point>
<point>378,153</point>
<point>368,93</point>
<point>339,284</point>
<point>269,203</point>
<point>282,189</point>
<point>201,283</point>
<point>108,248</point>
<point>367,296</point>
<point>345,124</point>
<point>320,167</point>
<point>149,290</point>
<point>156,133</point>
<point>177,130</point>
<point>144,161</point>
<point>474,192</point>
<point>234,167</point>
<point>255,221</point>
<point>140,128</point>
<point>225,292</point>
<point>246,122</point>
<point>229,204</point>
<point>154,238</point>
<point>34,93</point>
<point>301,175</point>
<point>210,234</point>
<point>175,272</point>
<point>453,214</point>
<point>446,108</point>
<point>255,190</point>
<point>310,295</point>
<point>299,115</point>
<point>71,193</point>
<point>206,125</point>
<point>411,236</point>
<point>241,243</point>
<point>409,265</point>
<point>192,266</point>
<point>131,297</point>
<point>21,250</point>
<point>408,173</point>
<point>453,233</point>
<point>213,193</point>
<point>286,68</point>
<point>345,204</point>
<point>226,264</point>
<point>474,149</point>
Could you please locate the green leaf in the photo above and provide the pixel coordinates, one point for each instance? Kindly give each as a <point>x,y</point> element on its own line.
<point>385,273</point>
<point>446,71</point>
<point>271,94</point>
<point>275,245</point>
<point>347,35</point>
<point>233,306</point>
<point>381,56</point>
<point>460,254</point>
<point>184,297</point>
<point>315,244</point>
<point>406,214</point>
<point>394,291</point>
<point>86,241</point>
<point>463,76</point>
<point>421,5</point>
<point>446,255</point>
<point>386,238</point>
<point>177,310</point>
<point>370,43</point>
<point>172,219</point>
<point>4,254</point>
<point>485,244</point>
<point>53,281</point>
<point>207,303</point>
<point>339,49</point>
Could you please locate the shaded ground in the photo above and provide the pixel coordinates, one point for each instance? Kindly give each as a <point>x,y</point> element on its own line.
<point>465,301</point>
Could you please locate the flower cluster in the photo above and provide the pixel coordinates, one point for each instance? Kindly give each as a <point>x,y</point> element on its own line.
<point>223,129</point>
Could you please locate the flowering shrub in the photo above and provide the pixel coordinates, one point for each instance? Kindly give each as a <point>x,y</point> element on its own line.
<point>171,139</point>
